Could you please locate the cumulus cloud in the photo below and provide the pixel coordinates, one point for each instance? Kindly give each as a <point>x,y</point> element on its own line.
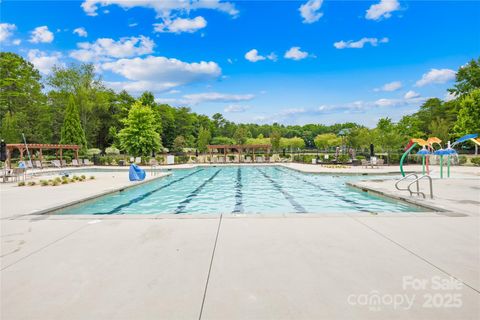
<point>164,9</point>
<point>81,32</point>
<point>295,53</point>
<point>411,94</point>
<point>310,11</point>
<point>159,73</point>
<point>106,48</point>
<point>391,86</point>
<point>436,76</point>
<point>17,42</point>
<point>196,98</point>
<point>236,108</point>
<point>6,31</point>
<point>383,9</point>
<point>180,25</point>
<point>43,61</point>
<point>362,106</point>
<point>41,35</point>
<point>254,56</point>
<point>359,44</point>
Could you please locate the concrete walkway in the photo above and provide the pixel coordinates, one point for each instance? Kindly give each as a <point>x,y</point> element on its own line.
<point>312,266</point>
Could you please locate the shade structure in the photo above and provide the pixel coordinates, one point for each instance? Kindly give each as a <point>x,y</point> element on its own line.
<point>465,138</point>
<point>440,152</point>
<point>423,152</point>
<point>450,152</point>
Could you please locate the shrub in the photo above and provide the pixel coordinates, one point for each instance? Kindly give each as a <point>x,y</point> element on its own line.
<point>64,181</point>
<point>92,177</point>
<point>58,179</point>
<point>93,151</point>
<point>31,183</point>
<point>43,183</point>
<point>83,177</point>
<point>112,151</point>
<point>343,158</point>
<point>475,161</point>
<point>360,158</point>
<point>71,180</point>
<point>55,182</point>
<point>463,160</point>
<point>21,184</point>
<point>75,178</point>
<point>394,158</point>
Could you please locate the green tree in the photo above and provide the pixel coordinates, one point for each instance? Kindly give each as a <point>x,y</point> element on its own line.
<point>468,120</point>
<point>327,140</point>
<point>21,96</point>
<point>9,130</point>
<point>294,143</point>
<point>72,132</point>
<point>275,137</point>
<point>467,78</point>
<point>241,135</point>
<point>222,140</point>
<point>203,139</point>
<point>440,128</point>
<point>179,143</point>
<point>139,137</point>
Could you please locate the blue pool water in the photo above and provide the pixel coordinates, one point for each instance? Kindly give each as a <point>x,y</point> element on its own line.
<point>248,189</point>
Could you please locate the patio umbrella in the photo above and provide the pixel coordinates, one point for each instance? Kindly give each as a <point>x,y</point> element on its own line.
<point>423,152</point>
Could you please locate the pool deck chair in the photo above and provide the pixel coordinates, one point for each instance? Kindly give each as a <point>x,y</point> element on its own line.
<point>87,162</point>
<point>38,164</point>
<point>75,162</point>
<point>138,160</point>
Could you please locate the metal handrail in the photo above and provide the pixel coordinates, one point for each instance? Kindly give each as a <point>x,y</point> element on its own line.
<point>404,178</point>
<point>418,191</point>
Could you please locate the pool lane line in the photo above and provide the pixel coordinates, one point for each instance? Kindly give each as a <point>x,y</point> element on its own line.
<point>341,197</point>
<point>298,207</point>
<point>238,193</point>
<point>147,194</point>
<point>194,193</point>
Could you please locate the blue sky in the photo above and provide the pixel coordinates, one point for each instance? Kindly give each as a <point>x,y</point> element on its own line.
<point>293,62</point>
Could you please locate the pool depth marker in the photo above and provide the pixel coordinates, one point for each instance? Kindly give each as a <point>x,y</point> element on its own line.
<point>195,192</point>
<point>287,195</point>
<point>145,195</point>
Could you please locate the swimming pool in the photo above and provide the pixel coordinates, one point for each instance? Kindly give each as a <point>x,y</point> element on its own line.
<point>242,189</point>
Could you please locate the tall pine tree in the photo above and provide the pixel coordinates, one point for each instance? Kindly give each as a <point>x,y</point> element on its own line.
<point>72,132</point>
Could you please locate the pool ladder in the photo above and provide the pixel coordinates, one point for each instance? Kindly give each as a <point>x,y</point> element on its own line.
<point>416,183</point>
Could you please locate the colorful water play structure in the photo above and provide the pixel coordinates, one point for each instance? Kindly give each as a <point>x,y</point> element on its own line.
<point>428,150</point>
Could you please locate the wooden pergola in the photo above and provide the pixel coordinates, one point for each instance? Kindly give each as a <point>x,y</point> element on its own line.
<point>240,148</point>
<point>40,147</point>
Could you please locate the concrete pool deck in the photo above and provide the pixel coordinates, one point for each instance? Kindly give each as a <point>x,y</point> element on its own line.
<point>237,267</point>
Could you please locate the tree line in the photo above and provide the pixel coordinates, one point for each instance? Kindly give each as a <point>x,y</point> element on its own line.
<point>72,105</point>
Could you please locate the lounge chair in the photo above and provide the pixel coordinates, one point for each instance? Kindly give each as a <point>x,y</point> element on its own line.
<point>75,162</point>
<point>29,164</point>
<point>248,160</point>
<point>63,163</point>
<point>38,164</point>
<point>80,162</point>
<point>87,162</point>
<point>138,160</point>
<point>56,163</point>
<point>380,162</point>
<point>365,163</point>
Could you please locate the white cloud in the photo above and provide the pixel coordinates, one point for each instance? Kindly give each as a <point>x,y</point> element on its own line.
<point>81,32</point>
<point>159,73</point>
<point>310,11</point>
<point>411,94</point>
<point>181,25</point>
<point>196,98</point>
<point>6,31</point>
<point>41,35</point>
<point>133,24</point>
<point>383,9</point>
<point>106,48</point>
<point>236,108</point>
<point>359,44</point>
<point>391,86</point>
<point>43,61</point>
<point>17,42</point>
<point>164,9</point>
<point>295,53</point>
<point>253,56</point>
<point>291,111</point>
<point>436,76</point>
